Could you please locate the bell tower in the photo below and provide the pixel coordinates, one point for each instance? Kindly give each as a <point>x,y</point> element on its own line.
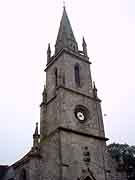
<point>71,124</point>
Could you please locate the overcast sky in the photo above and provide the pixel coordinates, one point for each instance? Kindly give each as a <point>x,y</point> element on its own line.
<point>26,27</point>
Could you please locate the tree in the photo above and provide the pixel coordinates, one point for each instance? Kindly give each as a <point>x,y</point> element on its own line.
<point>124,154</point>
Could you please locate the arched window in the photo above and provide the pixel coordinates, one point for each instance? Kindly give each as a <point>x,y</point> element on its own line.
<point>77,74</point>
<point>23,175</point>
<point>56,77</point>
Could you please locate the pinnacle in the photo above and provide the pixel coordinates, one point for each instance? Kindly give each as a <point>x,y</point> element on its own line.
<point>36,129</point>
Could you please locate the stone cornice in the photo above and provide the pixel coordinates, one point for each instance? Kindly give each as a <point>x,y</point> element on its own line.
<point>60,128</point>
<point>77,55</point>
<point>80,93</point>
<point>83,133</point>
<point>73,91</point>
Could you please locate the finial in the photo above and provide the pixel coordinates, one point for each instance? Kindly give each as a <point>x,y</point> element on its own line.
<point>64,4</point>
<point>36,130</point>
<point>84,45</point>
<point>36,124</point>
<point>44,95</point>
<point>94,86</point>
<point>48,53</point>
<point>94,90</point>
<point>36,137</point>
<point>49,49</point>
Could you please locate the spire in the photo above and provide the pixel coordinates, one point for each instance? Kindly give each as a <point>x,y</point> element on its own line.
<point>65,38</point>
<point>36,130</point>
<point>36,137</point>
<point>84,45</point>
<point>48,53</point>
<point>44,95</point>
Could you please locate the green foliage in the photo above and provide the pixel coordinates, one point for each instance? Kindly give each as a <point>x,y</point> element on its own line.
<point>44,140</point>
<point>124,154</point>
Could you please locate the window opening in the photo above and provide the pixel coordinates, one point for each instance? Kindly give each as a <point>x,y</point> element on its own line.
<point>56,77</point>
<point>77,74</point>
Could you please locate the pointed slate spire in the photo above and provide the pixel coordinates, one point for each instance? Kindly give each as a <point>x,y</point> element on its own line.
<point>65,38</point>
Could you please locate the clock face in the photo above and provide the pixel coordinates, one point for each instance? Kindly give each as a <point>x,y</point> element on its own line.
<point>81,113</point>
<point>80,116</point>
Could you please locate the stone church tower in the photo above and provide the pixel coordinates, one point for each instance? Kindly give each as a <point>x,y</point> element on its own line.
<point>72,132</point>
<point>72,142</point>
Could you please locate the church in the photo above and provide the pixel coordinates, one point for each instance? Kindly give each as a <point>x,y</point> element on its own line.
<point>71,144</point>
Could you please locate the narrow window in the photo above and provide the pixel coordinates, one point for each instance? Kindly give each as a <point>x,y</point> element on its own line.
<point>56,77</point>
<point>77,75</point>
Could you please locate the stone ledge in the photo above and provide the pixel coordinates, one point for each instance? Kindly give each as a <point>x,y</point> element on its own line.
<point>80,57</point>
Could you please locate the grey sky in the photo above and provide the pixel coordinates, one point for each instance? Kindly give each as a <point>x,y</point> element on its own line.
<point>26,27</point>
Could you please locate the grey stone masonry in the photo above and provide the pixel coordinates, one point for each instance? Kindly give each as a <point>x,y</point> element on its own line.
<point>72,142</point>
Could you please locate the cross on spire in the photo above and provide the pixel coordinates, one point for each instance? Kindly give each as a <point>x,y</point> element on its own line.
<point>64,4</point>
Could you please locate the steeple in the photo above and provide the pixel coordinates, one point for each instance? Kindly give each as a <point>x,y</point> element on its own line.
<point>65,38</point>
